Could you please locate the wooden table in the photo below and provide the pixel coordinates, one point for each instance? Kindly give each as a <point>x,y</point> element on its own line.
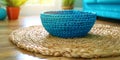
<point>8,51</point>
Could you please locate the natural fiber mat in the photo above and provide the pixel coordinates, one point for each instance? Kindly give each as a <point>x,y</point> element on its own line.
<point>102,41</point>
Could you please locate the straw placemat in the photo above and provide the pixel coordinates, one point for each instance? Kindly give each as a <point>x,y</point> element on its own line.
<point>102,41</point>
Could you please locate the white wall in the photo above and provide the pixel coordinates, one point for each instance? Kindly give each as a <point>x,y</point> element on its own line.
<point>30,10</point>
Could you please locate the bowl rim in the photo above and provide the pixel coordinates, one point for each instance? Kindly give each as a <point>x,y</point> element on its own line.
<point>54,11</point>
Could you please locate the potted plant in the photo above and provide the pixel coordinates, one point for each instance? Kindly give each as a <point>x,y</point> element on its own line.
<point>13,8</point>
<point>3,13</point>
<point>68,4</point>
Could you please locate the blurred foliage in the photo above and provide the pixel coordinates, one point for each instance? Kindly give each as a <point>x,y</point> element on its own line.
<point>68,2</point>
<point>13,3</point>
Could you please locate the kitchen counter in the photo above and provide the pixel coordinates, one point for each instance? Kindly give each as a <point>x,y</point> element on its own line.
<point>8,51</point>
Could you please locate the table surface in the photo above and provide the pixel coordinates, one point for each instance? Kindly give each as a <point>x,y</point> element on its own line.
<point>8,51</point>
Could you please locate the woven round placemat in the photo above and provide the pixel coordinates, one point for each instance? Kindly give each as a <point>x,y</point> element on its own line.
<point>102,41</point>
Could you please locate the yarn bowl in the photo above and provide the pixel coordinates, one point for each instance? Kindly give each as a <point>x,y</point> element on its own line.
<point>3,13</point>
<point>68,23</point>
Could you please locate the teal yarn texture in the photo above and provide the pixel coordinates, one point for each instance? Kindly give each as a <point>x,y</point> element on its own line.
<point>3,14</point>
<point>68,23</point>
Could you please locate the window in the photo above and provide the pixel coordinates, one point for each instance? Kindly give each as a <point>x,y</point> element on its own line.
<point>35,7</point>
<point>41,2</point>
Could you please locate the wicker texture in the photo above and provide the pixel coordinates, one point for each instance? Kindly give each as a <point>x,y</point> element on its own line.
<point>68,23</point>
<point>102,41</point>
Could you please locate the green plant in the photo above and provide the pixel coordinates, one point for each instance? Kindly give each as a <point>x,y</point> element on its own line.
<point>2,3</point>
<point>68,2</point>
<point>15,3</point>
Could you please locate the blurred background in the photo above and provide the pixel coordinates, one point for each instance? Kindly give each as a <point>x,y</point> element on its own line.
<point>35,7</point>
<point>103,8</point>
<point>38,6</point>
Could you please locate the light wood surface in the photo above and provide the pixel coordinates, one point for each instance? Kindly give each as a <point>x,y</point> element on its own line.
<point>8,51</point>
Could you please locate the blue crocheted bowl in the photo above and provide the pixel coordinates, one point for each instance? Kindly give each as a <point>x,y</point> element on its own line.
<point>68,23</point>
